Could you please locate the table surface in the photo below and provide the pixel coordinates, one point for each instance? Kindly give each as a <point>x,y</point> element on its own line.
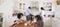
<point>22,25</point>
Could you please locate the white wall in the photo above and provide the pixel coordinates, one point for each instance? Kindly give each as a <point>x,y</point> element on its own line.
<point>58,10</point>
<point>57,15</point>
<point>6,8</point>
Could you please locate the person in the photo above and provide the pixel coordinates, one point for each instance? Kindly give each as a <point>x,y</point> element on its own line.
<point>28,12</point>
<point>42,8</point>
<point>30,20</point>
<point>31,17</point>
<point>43,13</point>
<point>20,16</point>
<point>39,20</point>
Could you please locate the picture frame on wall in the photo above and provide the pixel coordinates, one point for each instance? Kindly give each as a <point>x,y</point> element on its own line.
<point>47,6</point>
<point>15,12</point>
<point>34,5</point>
<point>22,6</point>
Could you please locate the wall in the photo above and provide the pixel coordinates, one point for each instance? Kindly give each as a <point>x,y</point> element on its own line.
<point>28,4</point>
<point>6,8</point>
<point>57,15</point>
<point>9,5</point>
<point>58,10</point>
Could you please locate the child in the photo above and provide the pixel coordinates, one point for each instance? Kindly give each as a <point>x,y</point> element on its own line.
<point>39,20</point>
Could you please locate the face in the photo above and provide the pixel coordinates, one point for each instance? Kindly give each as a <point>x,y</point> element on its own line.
<point>21,16</point>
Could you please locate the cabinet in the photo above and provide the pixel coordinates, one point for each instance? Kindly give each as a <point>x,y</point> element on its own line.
<point>1,20</point>
<point>58,2</point>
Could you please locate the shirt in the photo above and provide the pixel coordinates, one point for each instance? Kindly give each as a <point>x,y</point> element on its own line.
<point>28,12</point>
<point>23,18</point>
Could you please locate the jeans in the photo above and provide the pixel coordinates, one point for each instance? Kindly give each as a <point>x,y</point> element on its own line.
<point>27,17</point>
<point>40,23</point>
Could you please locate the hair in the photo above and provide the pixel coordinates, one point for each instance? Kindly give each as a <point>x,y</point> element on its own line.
<point>53,15</point>
<point>31,17</point>
<point>29,7</point>
<point>19,15</point>
<point>42,8</point>
<point>38,17</point>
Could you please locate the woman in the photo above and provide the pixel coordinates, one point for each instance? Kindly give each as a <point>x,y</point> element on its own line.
<point>20,17</point>
<point>39,20</point>
<point>17,21</point>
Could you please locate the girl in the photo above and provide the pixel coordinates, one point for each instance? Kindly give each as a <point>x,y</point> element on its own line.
<point>39,20</point>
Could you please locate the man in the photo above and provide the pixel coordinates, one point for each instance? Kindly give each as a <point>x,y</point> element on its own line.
<point>43,12</point>
<point>28,12</point>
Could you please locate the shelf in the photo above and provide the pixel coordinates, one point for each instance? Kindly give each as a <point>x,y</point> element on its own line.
<point>1,19</point>
<point>1,22</point>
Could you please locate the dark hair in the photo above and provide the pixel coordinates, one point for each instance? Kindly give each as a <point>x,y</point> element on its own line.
<point>53,15</point>
<point>19,15</point>
<point>31,17</point>
<point>29,7</point>
<point>38,17</point>
<point>42,8</point>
